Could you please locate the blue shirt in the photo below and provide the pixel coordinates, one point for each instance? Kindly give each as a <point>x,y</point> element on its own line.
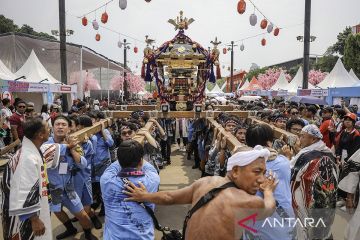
<point>268,230</point>
<point>83,176</point>
<point>102,158</point>
<point>127,220</point>
<point>63,183</point>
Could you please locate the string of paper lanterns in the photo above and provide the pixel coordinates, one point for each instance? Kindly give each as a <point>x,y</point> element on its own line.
<point>104,18</point>
<point>264,24</point>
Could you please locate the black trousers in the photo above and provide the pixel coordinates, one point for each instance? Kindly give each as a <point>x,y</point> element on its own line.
<point>193,148</point>
<point>166,148</point>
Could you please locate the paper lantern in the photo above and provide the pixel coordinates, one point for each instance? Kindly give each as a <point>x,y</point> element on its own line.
<point>276,31</point>
<point>263,42</point>
<point>84,21</point>
<point>122,4</point>
<point>253,19</point>
<point>95,24</point>
<point>224,50</point>
<point>263,23</point>
<point>270,28</point>
<point>120,44</point>
<point>242,47</point>
<point>97,37</point>
<point>241,7</point>
<point>136,49</point>
<point>104,17</point>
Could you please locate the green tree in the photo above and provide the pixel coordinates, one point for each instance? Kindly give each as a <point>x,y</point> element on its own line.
<point>352,53</point>
<point>27,29</point>
<point>339,46</point>
<point>7,25</point>
<point>326,63</point>
<point>255,73</point>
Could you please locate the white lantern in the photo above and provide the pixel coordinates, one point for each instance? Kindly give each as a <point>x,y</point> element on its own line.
<point>253,19</point>
<point>95,24</point>
<point>270,28</point>
<point>242,47</point>
<point>120,44</point>
<point>122,4</point>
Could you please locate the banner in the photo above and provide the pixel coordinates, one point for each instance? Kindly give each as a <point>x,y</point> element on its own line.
<point>38,87</point>
<point>319,92</point>
<point>18,86</point>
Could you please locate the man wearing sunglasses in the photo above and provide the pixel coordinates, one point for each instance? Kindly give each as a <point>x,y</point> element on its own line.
<point>17,120</point>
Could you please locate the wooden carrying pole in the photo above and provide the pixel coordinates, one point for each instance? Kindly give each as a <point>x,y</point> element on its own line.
<point>177,114</point>
<point>278,132</point>
<point>232,141</point>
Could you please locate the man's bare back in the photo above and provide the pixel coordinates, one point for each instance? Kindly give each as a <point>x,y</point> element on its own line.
<point>217,219</point>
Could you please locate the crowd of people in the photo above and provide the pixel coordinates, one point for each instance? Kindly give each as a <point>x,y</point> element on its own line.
<point>306,173</point>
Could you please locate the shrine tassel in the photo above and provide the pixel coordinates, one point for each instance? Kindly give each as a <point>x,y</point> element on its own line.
<point>143,71</point>
<point>218,72</point>
<point>148,75</point>
<point>212,78</point>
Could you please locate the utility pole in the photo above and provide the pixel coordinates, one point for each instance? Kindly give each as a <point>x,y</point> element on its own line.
<point>306,60</point>
<point>126,93</point>
<point>62,33</point>
<point>232,67</point>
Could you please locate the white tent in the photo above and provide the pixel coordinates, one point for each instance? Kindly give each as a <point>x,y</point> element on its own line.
<point>297,81</point>
<point>281,83</point>
<point>338,77</point>
<point>216,90</point>
<point>35,72</point>
<point>223,86</point>
<point>353,75</point>
<point>245,85</point>
<point>206,90</point>
<point>5,73</point>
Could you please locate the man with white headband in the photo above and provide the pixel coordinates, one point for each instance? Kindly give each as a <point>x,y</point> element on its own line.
<point>227,199</point>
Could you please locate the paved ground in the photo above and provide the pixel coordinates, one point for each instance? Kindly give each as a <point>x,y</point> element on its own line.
<point>177,175</point>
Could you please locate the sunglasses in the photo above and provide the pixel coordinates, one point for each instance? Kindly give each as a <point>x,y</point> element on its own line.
<point>124,133</point>
<point>21,106</point>
<point>294,113</point>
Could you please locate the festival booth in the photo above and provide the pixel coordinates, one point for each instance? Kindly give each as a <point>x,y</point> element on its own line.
<point>352,73</point>
<point>279,89</point>
<point>340,84</point>
<point>253,89</point>
<point>15,49</point>
<point>216,91</point>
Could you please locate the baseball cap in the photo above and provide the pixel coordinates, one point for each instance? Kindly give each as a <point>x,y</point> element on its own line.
<point>352,116</point>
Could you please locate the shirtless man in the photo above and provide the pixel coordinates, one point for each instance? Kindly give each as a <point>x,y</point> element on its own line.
<point>217,219</point>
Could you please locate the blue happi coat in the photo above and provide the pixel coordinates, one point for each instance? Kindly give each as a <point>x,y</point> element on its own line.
<point>102,155</point>
<point>62,185</point>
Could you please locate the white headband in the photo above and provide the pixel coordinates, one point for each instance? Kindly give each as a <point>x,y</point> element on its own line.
<point>246,157</point>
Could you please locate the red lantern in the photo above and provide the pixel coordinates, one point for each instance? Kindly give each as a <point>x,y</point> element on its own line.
<point>241,7</point>
<point>276,31</point>
<point>104,17</point>
<point>263,42</point>
<point>224,50</point>
<point>136,49</point>
<point>84,21</point>
<point>97,37</point>
<point>263,23</point>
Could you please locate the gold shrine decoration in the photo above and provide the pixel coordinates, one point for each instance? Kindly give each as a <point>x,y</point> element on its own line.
<point>180,22</point>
